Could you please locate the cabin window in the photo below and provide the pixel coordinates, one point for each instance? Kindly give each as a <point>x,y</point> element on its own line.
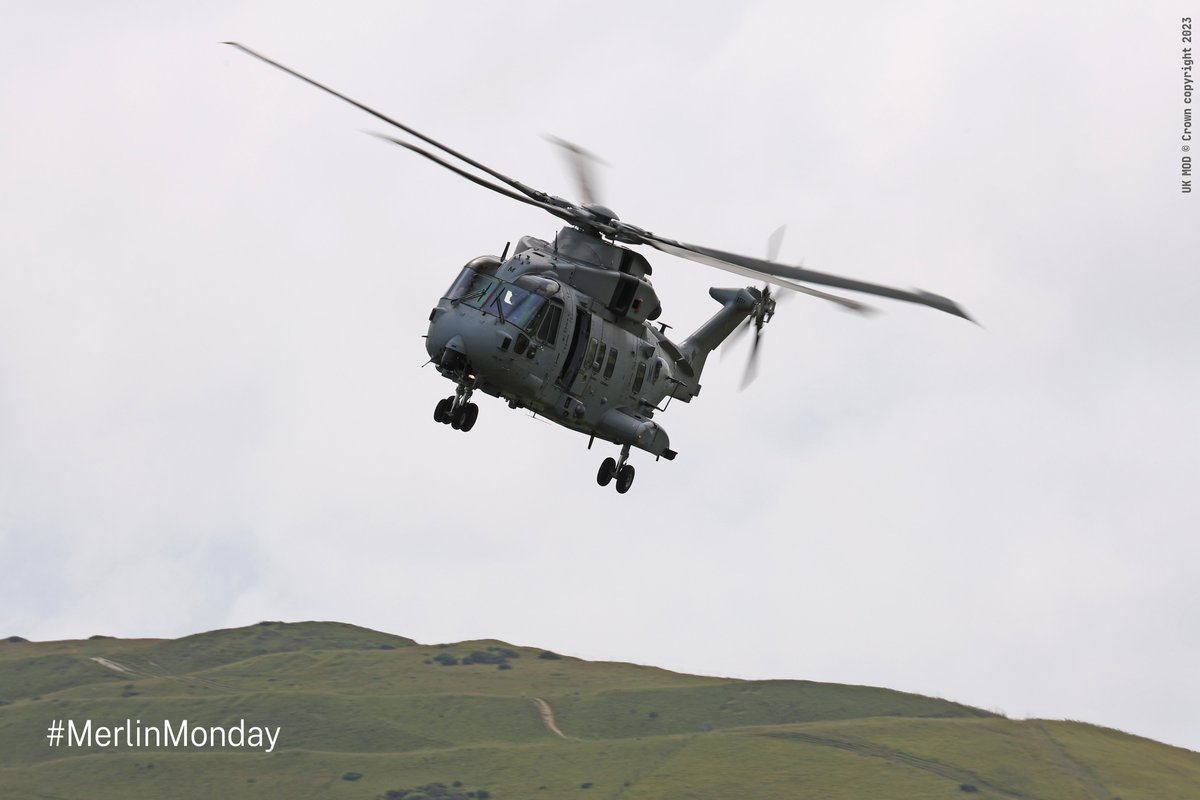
<point>658,368</point>
<point>639,377</point>
<point>599,362</point>
<point>590,354</point>
<point>612,363</point>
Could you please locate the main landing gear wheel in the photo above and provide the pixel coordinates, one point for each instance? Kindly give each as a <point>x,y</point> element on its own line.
<point>616,468</point>
<point>608,468</point>
<point>441,413</point>
<point>625,478</point>
<point>469,415</point>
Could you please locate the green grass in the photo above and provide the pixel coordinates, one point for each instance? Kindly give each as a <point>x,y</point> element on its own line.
<point>1131,767</point>
<point>350,700</point>
<point>649,712</point>
<point>761,767</point>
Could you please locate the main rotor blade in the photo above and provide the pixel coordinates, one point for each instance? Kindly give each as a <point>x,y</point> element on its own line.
<point>779,274</point>
<point>684,251</point>
<point>520,187</point>
<point>581,161</point>
<point>789,276</point>
<point>558,212</point>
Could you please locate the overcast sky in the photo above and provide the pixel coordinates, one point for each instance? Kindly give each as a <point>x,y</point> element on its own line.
<point>213,288</point>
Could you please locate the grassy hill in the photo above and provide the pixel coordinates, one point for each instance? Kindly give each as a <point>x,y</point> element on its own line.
<point>368,715</point>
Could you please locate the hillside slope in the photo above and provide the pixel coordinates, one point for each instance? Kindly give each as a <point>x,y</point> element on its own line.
<point>362,714</point>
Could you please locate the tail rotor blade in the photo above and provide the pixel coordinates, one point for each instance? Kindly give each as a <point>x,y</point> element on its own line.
<point>775,242</point>
<point>752,363</point>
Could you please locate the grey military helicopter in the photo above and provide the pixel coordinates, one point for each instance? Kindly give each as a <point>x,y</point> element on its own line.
<point>565,328</point>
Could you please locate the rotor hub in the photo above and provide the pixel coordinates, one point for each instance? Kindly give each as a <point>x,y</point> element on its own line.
<point>602,213</point>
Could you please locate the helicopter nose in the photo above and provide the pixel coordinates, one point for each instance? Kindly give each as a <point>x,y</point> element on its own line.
<point>454,353</point>
<point>441,331</point>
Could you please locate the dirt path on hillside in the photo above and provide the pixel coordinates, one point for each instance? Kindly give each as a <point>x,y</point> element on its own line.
<point>871,750</point>
<point>114,666</point>
<point>547,715</point>
<point>155,671</point>
<point>1091,785</point>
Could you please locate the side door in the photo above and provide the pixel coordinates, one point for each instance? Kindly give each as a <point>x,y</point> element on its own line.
<point>580,321</point>
<point>594,352</point>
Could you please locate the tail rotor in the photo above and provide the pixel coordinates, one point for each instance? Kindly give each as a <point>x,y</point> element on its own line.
<point>764,309</point>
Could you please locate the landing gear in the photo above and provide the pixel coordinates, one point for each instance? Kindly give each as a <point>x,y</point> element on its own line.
<point>441,413</point>
<point>463,418</point>
<point>610,468</point>
<point>458,412</point>
<point>625,478</point>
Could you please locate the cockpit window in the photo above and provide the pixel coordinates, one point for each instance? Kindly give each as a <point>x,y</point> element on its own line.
<point>514,304</point>
<point>538,284</point>
<point>486,265</point>
<point>471,288</point>
<point>545,324</point>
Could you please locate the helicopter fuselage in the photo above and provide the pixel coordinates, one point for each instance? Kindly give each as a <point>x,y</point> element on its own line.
<point>564,329</point>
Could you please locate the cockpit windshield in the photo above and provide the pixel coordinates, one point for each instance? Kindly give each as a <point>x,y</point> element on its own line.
<point>512,302</point>
<point>471,288</point>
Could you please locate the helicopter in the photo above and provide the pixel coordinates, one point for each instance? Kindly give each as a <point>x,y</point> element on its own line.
<point>566,327</point>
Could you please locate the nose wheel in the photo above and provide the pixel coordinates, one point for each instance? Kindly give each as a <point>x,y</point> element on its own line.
<point>612,468</point>
<point>463,418</point>
<point>441,412</point>
<point>458,412</point>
